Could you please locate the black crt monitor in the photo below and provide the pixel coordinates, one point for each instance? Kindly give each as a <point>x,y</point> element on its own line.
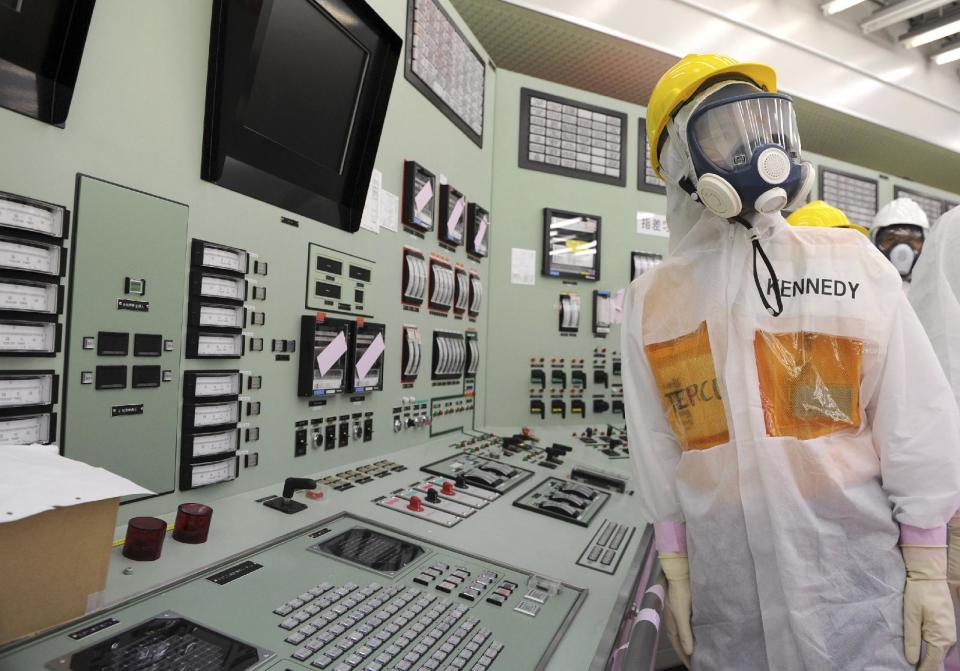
<point>571,245</point>
<point>41,43</point>
<point>297,93</point>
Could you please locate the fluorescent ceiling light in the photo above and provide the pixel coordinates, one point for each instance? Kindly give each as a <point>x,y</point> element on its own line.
<point>948,55</point>
<point>837,6</point>
<point>901,11</point>
<point>931,32</point>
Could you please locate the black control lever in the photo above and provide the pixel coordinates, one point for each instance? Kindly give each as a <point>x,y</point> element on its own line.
<point>285,502</point>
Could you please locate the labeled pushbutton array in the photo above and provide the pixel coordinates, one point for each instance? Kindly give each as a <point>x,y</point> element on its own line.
<point>478,586</point>
<point>454,580</point>
<point>503,592</point>
<point>427,576</point>
<point>605,549</point>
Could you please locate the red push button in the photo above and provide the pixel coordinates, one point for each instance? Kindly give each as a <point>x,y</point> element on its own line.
<point>416,505</point>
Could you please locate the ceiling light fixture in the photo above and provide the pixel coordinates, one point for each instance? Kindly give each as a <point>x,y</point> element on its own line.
<point>837,6</point>
<point>931,32</point>
<point>947,55</point>
<point>901,11</point>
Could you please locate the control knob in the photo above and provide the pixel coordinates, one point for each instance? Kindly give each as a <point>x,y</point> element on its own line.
<point>447,488</point>
<point>357,431</point>
<point>397,424</point>
<point>416,505</point>
<point>317,438</point>
<point>432,496</point>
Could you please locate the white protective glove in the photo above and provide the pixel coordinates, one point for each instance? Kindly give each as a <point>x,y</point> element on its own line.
<point>927,607</point>
<point>678,609</point>
<point>953,559</point>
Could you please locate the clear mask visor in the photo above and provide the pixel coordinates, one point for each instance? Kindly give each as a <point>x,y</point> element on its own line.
<point>728,132</point>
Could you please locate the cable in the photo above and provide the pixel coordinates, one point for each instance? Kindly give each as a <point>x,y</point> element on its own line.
<point>758,250</point>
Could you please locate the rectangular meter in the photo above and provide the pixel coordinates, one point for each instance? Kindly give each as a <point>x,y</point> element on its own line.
<point>218,257</point>
<point>30,389</point>
<point>209,473</point>
<point>28,338</point>
<point>202,415</point>
<point>29,296</point>
<point>34,216</point>
<point>324,349</point>
<point>25,430</point>
<point>32,257</point>
<point>208,384</point>
<point>209,444</point>
<point>218,286</point>
<point>207,314</point>
<point>204,345</point>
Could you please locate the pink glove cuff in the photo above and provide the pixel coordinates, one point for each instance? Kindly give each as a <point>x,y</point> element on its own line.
<point>916,536</point>
<point>672,537</point>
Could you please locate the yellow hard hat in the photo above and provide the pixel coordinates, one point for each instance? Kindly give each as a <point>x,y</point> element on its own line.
<point>819,213</point>
<point>683,80</point>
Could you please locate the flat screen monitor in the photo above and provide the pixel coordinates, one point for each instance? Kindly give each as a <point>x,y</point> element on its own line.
<point>571,245</point>
<point>297,92</point>
<point>40,48</point>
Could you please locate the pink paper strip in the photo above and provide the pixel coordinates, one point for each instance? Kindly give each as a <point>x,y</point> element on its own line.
<point>659,591</point>
<point>331,353</point>
<point>370,356</point>
<point>670,537</point>
<point>916,536</point>
<point>648,615</point>
<point>478,239</point>
<point>452,222</point>
<point>618,306</point>
<point>423,197</point>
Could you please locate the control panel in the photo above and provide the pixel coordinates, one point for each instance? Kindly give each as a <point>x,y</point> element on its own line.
<point>344,593</point>
<point>472,469</point>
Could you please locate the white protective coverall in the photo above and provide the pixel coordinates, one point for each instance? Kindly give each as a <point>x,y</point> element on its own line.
<point>790,446</point>
<point>935,295</point>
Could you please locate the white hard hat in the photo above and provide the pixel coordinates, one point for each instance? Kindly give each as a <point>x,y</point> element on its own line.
<point>900,211</point>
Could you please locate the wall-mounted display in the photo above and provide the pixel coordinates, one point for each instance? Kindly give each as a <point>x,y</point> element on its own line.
<point>419,196</point>
<point>569,313</point>
<point>451,215</point>
<point>366,359</point>
<point>602,313</point>
<point>324,348</point>
<point>647,179</point>
<point>478,230</point>
<point>40,56</point>
<point>641,262</point>
<point>571,245</point>
<point>281,125</point>
<point>933,207</point>
<point>570,138</point>
<point>442,64</point>
<point>855,195</point>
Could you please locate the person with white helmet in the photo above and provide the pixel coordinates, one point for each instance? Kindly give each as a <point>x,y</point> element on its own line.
<point>935,295</point>
<point>794,439</point>
<point>898,231</point>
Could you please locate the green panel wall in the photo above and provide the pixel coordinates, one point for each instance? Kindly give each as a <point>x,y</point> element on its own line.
<point>523,319</point>
<point>137,120</point>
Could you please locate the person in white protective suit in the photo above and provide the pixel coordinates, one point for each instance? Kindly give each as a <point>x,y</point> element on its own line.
<point>899,230</point>
<point>793,435</point>
<point>935,295</point>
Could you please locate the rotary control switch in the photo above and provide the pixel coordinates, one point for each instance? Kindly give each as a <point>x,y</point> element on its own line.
<point>357,431</point>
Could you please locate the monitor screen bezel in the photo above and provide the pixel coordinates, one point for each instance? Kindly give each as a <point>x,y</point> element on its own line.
<point>237,158</point>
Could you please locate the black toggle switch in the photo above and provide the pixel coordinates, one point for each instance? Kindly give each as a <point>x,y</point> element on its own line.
<point>432,496</point>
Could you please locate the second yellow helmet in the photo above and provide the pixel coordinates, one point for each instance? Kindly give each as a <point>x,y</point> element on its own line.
<point>824,215</point>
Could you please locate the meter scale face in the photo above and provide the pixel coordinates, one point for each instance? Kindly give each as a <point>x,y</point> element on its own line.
<point>215,286</point>
<point>31,218</point>
<point>25,430</point>
<point>217,315</point>
<point>213,472</point>
<point>28,297</point>
<point>17,337</point>
<point>208,444</point>
<point>34,258</point>
<point>214,414</point>
<point>16,391</point>
<point>219,345</point>
<point>225,259</point>
<point>217,385</point>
